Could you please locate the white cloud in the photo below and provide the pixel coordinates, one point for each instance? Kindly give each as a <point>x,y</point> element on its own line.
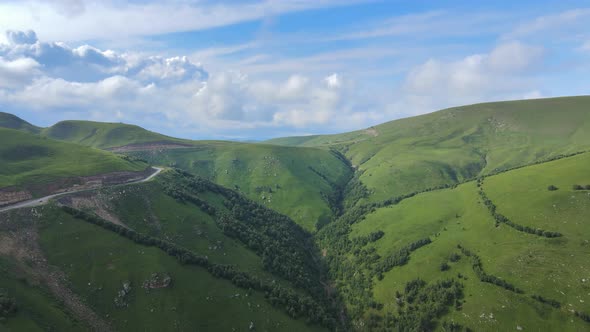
<point>115,19</point>
<point>21,37</point>
<point>499,74</point>
<point>182,95</point>
<point>535,94</point>
<point>87,64</point>
<point>550,23</point>
<point>14,74</point>
<point>333,81</point>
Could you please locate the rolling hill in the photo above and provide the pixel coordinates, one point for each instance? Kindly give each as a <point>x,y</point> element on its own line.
<point>472,218</point>
<point>11,121</point>
<point>103,135</point>
<point>459,143</point>
<point>28,159</point>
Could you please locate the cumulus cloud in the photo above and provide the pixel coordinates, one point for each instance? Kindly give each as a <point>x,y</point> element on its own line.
<point>21,37</point>
<point>500,74</point>
<point>54,76</point>
<point>111,86</point>
<point>333,81</point>
<point>87,64</point>
<point>17,73</point>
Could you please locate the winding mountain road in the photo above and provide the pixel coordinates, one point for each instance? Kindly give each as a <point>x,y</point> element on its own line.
<point>44,200</point>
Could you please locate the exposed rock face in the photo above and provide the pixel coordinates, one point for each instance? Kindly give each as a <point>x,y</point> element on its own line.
<point>156,281</point>
<point>12,195</point>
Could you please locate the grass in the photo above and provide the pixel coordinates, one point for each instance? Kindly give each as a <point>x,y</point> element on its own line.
<point>280,178</point>
<point>37,309</point>
<point>27,159</point>
<point>454,144</point>
<point>148,210</point>
<point>11,121</point>
<point>552,268</point>
<point>102,134</point>
<point>98,262</point>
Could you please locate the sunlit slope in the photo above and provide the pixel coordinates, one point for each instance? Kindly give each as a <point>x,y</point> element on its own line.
<point>29,159</point>
<point>303,183</point>
<point>553,268</point>
<point>102,134</point>
<point>458,143</point>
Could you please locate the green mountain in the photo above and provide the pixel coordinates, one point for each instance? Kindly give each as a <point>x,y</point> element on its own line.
<point>458,143</point>
<point>103,135</point>
<point>28,159</point>
<point>303,183</point>
<point>470,218</point>
<point>158,254</point>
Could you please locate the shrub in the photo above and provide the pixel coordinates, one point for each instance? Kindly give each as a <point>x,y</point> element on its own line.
<point>578,187</point>
<point>444,266</point>
<point>552,188</point>
<point>7,306</point>
<point>454,257</point>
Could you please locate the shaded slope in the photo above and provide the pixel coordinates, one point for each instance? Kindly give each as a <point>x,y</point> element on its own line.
<point>303,183</point>
<point>250,262</point>
<point>11,121</point>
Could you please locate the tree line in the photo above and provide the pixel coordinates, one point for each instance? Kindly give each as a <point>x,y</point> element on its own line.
<point>477,267</point>
<point>421,304</point>
<point>400,257</point>
<point>296,305</point>
<point>500,218</point>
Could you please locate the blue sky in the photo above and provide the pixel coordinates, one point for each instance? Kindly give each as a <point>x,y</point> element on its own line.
<point>261,69</point>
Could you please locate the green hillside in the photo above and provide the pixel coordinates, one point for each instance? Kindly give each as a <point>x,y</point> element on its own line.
<point>303,183</point>
<point>102,134</point>
<point>458,143</point>
<point>526,264</point>
<point>224,260</point>
<point>472,218</point>
<point>29,159</point>
<point>11,121</point>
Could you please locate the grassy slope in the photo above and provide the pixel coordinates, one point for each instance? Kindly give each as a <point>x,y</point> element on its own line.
<point>253,169</point>
<point>101,134</point>
<point>148,210</point>
<point>30,159</point>
<point>37,309</point>
<point>552,268</point>
<point>11,121</point>
<point>98,262</point>
<point>443,147</point>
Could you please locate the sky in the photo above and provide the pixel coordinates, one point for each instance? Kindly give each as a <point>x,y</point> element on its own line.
<point>252,70</point>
